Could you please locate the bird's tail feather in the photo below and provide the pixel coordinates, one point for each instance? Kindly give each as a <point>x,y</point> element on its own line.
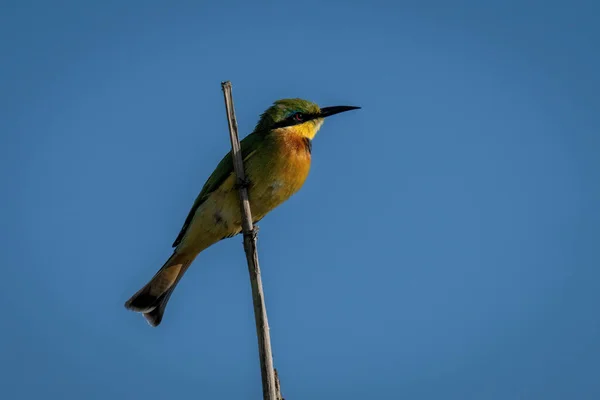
<point>152,299</point>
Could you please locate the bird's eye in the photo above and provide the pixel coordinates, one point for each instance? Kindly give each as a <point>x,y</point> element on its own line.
<point>298,117</point>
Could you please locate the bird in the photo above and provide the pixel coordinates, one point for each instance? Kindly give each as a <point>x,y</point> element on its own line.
<point>276,157</point>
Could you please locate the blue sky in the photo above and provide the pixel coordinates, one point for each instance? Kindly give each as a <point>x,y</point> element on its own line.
<point>445,244</point>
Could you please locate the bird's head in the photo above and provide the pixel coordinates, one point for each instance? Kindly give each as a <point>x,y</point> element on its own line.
<point>297,116</point>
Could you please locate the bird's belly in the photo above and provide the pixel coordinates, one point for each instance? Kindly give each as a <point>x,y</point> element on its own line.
<point>273,179</point>
<point>265,197</point>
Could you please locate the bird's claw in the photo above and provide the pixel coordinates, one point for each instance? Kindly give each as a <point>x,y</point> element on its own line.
<point>242,183</point>
<point>254,232</point>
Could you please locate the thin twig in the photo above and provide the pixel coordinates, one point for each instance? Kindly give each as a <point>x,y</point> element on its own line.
<point>278,386</point>
<point>269,385</point>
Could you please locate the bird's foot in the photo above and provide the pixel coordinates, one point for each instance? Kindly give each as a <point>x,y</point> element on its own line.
<point>254,232</point>
<point>242,183</point>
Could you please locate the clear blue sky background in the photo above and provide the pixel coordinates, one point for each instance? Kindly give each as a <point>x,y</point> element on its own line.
<point>445,245</point>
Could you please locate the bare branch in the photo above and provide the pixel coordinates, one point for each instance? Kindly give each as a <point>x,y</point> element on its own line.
<point>270,382</point>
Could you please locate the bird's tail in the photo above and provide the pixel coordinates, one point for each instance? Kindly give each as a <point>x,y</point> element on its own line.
<point>152,299</point>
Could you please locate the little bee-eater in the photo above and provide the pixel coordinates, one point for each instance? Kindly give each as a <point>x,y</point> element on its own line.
<point>276,159</point>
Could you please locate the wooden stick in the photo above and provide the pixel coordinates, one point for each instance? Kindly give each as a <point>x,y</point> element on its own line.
<point>270,384</point>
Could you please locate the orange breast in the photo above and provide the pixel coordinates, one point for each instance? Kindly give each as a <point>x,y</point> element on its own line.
<point>278,172</point>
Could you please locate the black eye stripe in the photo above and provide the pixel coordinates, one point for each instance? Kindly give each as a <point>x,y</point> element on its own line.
<point>295,119</point>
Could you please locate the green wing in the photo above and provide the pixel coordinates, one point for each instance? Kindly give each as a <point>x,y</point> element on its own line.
<point>224,169</point>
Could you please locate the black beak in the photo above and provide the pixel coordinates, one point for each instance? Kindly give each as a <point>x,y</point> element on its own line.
<point>329,111</point>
